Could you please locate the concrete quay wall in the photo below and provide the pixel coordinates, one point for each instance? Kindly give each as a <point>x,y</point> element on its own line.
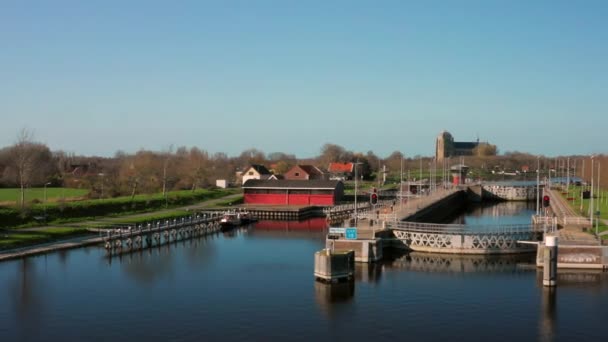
<point>497,192</point>
<point>439,210</point>
<point>573,256</point>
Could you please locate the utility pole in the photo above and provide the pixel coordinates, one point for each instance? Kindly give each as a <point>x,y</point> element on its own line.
<point>401,186</point>
<point>582,186</point>
<point>591,199</point>
<point>537,186</point>
<point>420,177</point>
<point>568,178</point>
<point>356,166</point>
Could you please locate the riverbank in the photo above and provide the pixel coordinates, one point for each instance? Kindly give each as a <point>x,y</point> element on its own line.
<point>12,241</point>
<point>60,213</point>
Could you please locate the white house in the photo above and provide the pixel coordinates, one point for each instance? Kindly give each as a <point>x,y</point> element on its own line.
<point>256,172</point>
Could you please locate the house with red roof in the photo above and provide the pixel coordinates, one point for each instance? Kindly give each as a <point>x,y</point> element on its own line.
<point>304,172</point>
<point>341,171</point>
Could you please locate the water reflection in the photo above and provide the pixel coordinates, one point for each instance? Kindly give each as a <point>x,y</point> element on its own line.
<point>548,312</point>
<point>488,213</point>
<point>329,297</point>
<point>449,263</point>
<point>148,265</point>
<point>315,228</point>
<point>27,297</point>
<point>368,272</point>
<point>259,282</point>
<point>577,278</point>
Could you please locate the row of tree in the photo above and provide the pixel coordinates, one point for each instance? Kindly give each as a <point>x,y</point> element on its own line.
<point>28,163</point>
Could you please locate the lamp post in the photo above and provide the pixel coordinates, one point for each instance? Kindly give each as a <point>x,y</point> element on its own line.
<point>356,165</point>
<point>101,175</point>
<point>538,186</point>
<point>44,207</point>
<point>401,186</point>
<point>591,199</point>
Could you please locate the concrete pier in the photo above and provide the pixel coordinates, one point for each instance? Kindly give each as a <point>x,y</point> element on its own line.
<point>365,250</point>
<point>577,248</point>
<point>550,261</point>
<point>333,266</point>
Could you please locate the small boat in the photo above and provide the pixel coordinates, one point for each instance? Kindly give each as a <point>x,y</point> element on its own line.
<point>229,220</point>
<point>246,217</point>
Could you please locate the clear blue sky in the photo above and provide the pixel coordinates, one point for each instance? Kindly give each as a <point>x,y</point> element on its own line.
<point>93,77</point>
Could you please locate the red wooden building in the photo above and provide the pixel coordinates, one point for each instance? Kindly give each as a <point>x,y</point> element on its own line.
<point>293,192</point>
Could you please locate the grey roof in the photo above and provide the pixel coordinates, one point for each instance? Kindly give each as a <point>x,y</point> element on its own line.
<point>290,184</point>
<point>311,170</point>
<point>261,169</point>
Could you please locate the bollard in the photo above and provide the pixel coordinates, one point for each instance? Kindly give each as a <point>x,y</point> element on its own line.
<point>550,261</point>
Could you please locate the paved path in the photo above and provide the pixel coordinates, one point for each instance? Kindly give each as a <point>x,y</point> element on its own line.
<point>414,204</point>
<point>570,234</point>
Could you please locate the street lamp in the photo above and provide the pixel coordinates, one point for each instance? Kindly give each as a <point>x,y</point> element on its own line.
<point>401,186</point>
<point>591,199</point>
<point>356,165</point>
<point>101,175</point>
<point>45,184</point>
<point>538,186</point>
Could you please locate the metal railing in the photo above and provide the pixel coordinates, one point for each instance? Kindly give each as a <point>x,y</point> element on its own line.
<point>122,231</point>
<point>575,220</point>
<point>435,228</point>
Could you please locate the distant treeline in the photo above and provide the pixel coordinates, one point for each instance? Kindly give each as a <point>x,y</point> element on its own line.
<point>28,163</point>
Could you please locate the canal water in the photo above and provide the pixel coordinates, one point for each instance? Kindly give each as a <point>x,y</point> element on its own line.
<point>256,284</point>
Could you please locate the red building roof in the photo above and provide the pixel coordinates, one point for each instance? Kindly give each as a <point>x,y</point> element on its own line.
<point>340,167</point>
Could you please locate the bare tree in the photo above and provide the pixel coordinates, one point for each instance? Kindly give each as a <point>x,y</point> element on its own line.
<point>24,159</point>
<point>166,157</point>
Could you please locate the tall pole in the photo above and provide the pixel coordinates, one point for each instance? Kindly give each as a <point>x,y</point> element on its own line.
<point>591,199</point>
<point>568,177</point>
<point>597,219</point>
<point>356,166</point>
<point>537,186</point>
<point>420,177</point>
<point>449,172</point>
<point>45,184</point>
<point>582,187</point>
<point>599,165</point>
<point>430,176</point>
<point>408,188</point>
<point>401,186</point>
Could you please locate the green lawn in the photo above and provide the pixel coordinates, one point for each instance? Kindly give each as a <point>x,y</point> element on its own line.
<point>23,238</point>
<point>52,194</point>
<point>144,218</point>
<point>59,212</point>
<point>600,203</point>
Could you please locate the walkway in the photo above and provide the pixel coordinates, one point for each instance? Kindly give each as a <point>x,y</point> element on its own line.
<point>413,205</point>
<point>573,223</point>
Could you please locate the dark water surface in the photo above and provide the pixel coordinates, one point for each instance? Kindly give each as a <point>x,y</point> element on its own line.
<point>256,284</point>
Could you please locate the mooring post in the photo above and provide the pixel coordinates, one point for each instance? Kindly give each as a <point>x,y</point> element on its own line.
<point>550,261</point>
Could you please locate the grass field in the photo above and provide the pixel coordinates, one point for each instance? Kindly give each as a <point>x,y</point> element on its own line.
<point>600,204</point>
<point>60,212</point>
<point>23,238</point>
<point>143,218</point>
<point>52,194</point>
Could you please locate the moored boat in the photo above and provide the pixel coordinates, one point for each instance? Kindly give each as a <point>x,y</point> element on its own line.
<point>229,220</point>
<point>246,217</point>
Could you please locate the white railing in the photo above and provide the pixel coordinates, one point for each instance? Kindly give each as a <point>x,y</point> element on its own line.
<point>435,228</point>
<point>575,220</point>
